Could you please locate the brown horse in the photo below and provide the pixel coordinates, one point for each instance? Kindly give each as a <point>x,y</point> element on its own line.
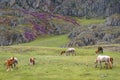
<point>32,61</point>
<point>99,50</point>
<point>63,52</point>
<point>11,63</point>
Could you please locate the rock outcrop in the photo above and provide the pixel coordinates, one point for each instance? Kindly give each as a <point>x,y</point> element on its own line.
<point>79,8</point>
<point>94,34</point>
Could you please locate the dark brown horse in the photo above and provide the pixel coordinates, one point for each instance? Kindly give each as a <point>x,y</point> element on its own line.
<point>99,50</point>
<point>63,52</point>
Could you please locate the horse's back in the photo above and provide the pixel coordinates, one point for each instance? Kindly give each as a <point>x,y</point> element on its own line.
<point>71,49</point>
<point>103,57</point>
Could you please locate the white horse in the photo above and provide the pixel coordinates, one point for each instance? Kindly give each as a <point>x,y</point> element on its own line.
<point>104,58</point>
<point>69,51</point>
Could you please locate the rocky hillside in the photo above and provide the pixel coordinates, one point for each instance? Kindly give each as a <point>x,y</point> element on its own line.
<point>24,20</point>
<point>19,26</point>
<point>106,33</point>
<point>79,8</point>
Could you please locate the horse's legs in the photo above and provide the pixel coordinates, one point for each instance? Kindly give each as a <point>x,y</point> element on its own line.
<point>8,67</point>
<point>72,53</point>
<point>110,64</point>
<point>66,53</point>
<point>96,63</point>
<point>100,65</point>
<point>106,65</point>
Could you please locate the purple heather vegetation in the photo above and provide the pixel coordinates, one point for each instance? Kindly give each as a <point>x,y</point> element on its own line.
<point>29,36</point>
<point>39,15</point>
<point>39,28</point>
<point>44,18</point>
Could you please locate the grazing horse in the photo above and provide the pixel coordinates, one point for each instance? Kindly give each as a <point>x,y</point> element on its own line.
<point>99,50</point>
<point>69,51</point>
<point>15,61</point>
<point>11,63</point>
<point>104,58</point>
<point>63,52</point>
<point>32,61</point>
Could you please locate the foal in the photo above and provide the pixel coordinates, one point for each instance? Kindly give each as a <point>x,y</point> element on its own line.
<point>32,61</point>
<point>103,58</point>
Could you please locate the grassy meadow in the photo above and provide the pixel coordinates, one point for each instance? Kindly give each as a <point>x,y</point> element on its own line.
<point>50,65</point>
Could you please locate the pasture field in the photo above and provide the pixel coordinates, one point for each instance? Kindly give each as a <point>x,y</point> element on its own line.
<point>50,65</point>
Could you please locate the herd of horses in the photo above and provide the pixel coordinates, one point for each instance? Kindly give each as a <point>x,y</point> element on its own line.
<point>13,61</point>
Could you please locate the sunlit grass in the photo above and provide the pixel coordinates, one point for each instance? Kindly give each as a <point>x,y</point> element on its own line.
<point>49,41</point>
<point>90,21</point>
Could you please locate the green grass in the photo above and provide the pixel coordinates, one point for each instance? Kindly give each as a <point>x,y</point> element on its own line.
<point>50,65</point>
<point>90,21</point>
<point>49,41</point>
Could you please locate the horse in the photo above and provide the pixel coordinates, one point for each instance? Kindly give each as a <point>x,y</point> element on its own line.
<point>104,58</point>
<point>69,51</point>
<point>11,63</point>
<point>32,61</point>
<point>15,61</point>
<point>99,50</point>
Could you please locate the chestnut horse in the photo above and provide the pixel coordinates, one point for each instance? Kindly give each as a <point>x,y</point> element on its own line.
<point>104,58</point>
<point>69,51</point>
<point>11,63</point>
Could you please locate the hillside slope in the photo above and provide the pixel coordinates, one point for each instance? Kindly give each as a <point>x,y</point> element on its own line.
<point>23,21</point>
<point>20,26</point>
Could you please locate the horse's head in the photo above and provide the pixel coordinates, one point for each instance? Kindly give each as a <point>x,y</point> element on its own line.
<point>96,51</point>
<point>111,60</point>
<point>62,52</point>
<point>100,49</point>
